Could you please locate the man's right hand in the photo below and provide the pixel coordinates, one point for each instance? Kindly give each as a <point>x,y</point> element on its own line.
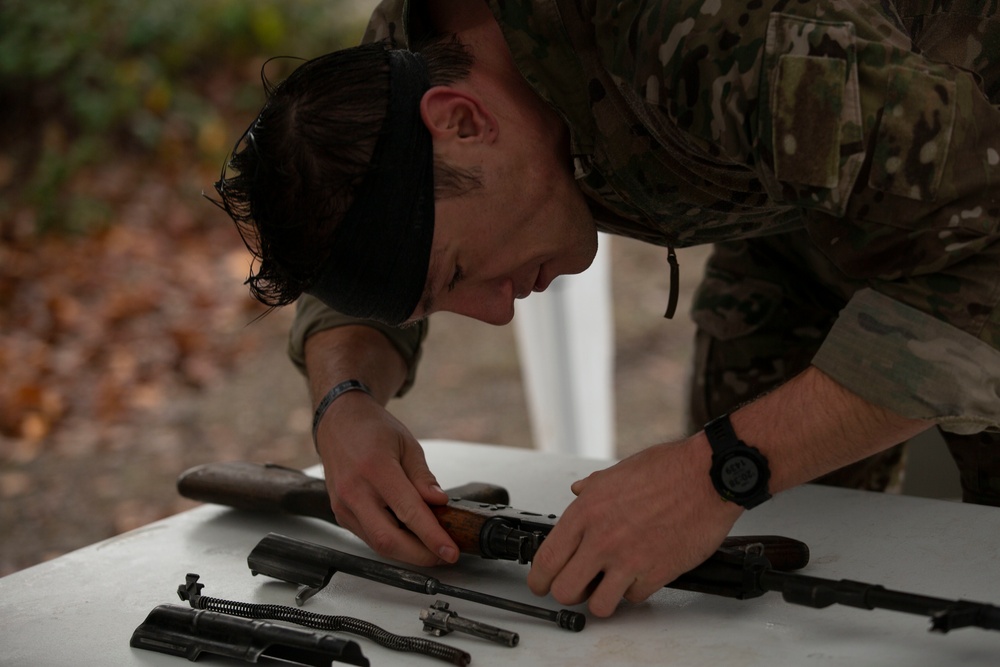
<point>376,474</point>
<point>379,483</point>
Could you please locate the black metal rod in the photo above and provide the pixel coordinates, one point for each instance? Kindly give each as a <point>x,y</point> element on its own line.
<point>313,565</point>
<point>564,618</point>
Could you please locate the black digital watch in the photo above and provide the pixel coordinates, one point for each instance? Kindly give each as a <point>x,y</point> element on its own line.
<point>739,472</point>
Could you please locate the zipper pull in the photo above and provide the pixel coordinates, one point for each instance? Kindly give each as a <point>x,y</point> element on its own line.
<point>675,279</point>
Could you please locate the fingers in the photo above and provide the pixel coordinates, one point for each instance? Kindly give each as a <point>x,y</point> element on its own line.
<point>369,517</point>
<point>572,572</point>
<point>382,496</point>
<point>609,592</point>
<point>389,525</point>
<point>413,512</point>
<point>641,588</point>
<point>416,515</point>
<point>560,566</point>
<point>583,577</point>
<point>610,588</point>
<point>415,466</point>
<point>551,559</point>
<point>435,495</point>
<point>632,528</point>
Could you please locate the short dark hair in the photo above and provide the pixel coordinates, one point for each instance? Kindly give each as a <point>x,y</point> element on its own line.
<point>296,168</point>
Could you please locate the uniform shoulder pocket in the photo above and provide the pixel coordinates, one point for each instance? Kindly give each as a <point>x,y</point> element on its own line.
<point>914,135</point>
<point>809,146</point>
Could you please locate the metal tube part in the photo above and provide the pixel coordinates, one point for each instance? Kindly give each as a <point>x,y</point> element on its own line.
<point>440,620</point>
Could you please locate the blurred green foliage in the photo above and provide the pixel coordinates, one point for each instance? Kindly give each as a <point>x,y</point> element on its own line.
<point>83,80</point>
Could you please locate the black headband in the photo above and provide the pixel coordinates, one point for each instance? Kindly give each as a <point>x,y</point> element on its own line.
<point>381,248</point>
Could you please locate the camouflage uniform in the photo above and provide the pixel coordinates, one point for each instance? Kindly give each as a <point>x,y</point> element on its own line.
<point>840,154</point>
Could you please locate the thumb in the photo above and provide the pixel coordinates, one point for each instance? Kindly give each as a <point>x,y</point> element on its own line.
<point>433,494</point>
<point>423,479</point>
<point>579,485</point>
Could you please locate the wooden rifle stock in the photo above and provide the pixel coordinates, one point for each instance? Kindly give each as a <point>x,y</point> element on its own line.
<point>266,487</point>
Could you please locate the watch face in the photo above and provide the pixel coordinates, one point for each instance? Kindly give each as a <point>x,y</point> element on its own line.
<point>739,474</point>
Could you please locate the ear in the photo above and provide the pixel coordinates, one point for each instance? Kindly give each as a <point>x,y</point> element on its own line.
<point>450,113</point>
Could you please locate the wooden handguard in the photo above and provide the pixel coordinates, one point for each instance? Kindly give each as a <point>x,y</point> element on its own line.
<point>466,521</point>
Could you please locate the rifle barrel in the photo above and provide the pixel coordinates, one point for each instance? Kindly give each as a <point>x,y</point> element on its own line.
<point>818,593</point>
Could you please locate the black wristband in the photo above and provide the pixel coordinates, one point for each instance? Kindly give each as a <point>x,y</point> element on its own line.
<point>334,394</point>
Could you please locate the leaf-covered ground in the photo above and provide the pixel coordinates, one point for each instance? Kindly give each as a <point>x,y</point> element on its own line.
<point>103,337</point>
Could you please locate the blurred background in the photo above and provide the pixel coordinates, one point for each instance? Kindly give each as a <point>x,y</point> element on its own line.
<point>130,349</point>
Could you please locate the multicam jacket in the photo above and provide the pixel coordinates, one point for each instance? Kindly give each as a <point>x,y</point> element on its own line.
<point>696,121</point>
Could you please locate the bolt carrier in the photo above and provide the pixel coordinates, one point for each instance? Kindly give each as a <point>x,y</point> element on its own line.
<point>440,620</point>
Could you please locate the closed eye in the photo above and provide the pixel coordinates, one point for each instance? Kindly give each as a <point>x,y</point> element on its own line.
<point>458,275</point>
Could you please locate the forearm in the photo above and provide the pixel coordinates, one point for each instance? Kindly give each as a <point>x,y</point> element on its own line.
<point>673,516</point>
<point>353,352</point>
<point>375,470</point>
<point>812,425</point>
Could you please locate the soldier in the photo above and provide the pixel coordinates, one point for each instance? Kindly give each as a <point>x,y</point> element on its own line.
<point>841,155</point>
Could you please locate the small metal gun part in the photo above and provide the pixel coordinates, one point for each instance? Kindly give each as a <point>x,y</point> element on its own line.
<point>190,591</point>
<point>440,620</point>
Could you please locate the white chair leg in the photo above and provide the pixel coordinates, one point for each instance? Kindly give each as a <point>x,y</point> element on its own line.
<point>565,339</point>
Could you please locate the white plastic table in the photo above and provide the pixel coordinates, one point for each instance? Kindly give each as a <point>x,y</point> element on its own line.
<point>81,608</point>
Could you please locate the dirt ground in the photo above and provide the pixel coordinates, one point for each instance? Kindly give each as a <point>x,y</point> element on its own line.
<point>93,477</point>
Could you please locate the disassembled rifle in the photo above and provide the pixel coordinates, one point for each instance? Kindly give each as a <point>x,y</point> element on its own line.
<point>742,568</point>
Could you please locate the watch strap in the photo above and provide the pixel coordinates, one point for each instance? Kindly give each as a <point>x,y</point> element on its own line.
<point>721,435</point>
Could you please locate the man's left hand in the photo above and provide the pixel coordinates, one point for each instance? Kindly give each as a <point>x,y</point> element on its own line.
<point>634,527</point>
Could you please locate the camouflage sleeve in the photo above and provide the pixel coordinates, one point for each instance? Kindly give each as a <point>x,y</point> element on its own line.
<point>915,365</point>
<point>895,157</point>
<point>313,316</point>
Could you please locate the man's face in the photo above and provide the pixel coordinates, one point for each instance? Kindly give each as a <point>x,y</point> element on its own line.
<point>527,225</point>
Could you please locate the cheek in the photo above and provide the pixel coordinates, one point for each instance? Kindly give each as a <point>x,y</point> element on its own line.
<point>493,304</point>
<point>572,236</point>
